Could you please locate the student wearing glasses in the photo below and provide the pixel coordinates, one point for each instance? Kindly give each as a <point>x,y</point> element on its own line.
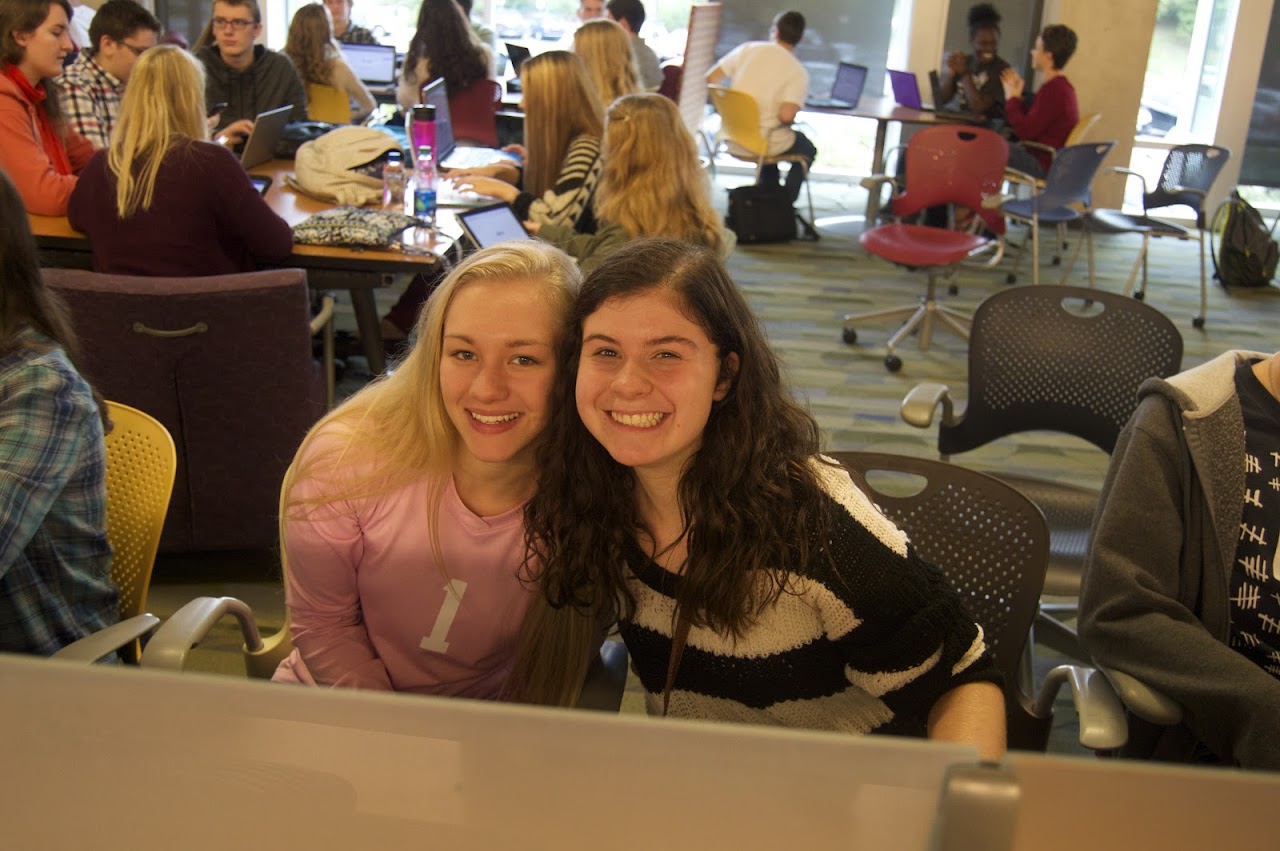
<point>89,90</point>
<point>247,77</point>
<point>40,153</point>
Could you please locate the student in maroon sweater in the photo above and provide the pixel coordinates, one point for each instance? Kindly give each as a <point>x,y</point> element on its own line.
<point>1054,111</point>
<point>163,201</point>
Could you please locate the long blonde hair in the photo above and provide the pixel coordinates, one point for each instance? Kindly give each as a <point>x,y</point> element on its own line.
<point>560,105</point>
<point>605,48</point>
<point>651,183</point>
<point>163,107</point>
<point>310,44</point>
<point>396,430</point>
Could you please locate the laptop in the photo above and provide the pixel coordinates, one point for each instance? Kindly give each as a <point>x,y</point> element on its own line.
<point>935,85</point>
<point>518,54</point>
<point>906,92</point>
<point>447,154</point>
<point>373,64</point>
<point>491,225</point>
<point>846,89</point>
<point>267,129</point>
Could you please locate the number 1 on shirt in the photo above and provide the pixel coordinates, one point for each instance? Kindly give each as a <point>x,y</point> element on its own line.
<point>435,642</point>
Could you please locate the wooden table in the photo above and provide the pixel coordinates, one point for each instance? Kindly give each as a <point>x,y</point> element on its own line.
<point>358,270</point>
<point>882,110</point>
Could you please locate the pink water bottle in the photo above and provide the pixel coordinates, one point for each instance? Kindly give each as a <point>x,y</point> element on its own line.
<point>422,128</point>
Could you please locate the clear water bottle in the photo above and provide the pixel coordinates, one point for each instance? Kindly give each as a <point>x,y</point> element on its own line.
<point>424,186</point>
<point>393,181</point>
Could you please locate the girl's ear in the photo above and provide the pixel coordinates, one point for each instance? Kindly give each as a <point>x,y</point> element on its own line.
<point>728,374</point>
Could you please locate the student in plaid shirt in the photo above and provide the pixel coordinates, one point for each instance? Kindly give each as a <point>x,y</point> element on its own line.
<point>91,87</point>
<point>55,580</point>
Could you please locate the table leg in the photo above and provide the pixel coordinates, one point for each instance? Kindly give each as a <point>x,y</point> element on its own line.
<point>877,162</point>
<point>370,328</point>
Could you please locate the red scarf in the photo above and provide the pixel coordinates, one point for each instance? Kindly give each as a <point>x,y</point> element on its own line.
<point>53,144</point>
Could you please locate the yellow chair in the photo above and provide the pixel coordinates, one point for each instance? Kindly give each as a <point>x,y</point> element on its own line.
<point>141,462</point>
<point>328,103</point>
<point>740,128</point>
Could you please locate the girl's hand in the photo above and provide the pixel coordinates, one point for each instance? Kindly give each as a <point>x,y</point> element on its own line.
<point>516,150</point>
<point>486,186</point>
<point>1012,83</point>
<point>533,227</point>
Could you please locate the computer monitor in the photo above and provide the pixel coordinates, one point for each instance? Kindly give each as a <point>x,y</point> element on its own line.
<point>373,64</point>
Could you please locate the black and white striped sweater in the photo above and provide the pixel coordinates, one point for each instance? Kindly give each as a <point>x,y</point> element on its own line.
<point>868,646</point>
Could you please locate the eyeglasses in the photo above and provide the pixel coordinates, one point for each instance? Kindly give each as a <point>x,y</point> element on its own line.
<point>137,51</point>
<point>237,24</point>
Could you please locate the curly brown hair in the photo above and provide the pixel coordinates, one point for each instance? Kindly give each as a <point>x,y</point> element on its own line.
<point>309,44</point>
<point>752,506</point>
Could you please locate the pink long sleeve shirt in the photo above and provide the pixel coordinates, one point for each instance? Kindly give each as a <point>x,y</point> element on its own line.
<point>371,608</point>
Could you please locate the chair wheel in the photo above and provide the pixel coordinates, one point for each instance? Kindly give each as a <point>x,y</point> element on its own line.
<point>849,335</point>
<point>1011,278</point>
<point>893,363</point>
<point>1056,261</point>
<point>1198,322</point>
<point>1140,295</point>
<point>953,290</point>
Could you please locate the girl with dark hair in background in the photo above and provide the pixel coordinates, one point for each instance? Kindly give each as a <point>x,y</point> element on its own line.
<point>40,153</point>
<point>682,495</point>
<point>55,563</point>
<point>444,45</point>
<point>974,81</point>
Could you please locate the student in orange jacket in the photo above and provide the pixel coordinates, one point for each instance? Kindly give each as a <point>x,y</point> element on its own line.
<point>38,151</point>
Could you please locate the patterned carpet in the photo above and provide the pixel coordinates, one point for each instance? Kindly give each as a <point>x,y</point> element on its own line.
<point>801,291</point>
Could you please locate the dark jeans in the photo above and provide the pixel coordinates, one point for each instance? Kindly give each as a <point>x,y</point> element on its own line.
<point>795,174</point>
<point>1024,161</point>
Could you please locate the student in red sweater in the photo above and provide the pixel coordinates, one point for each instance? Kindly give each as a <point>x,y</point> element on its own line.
<point>41,154</point>
<point>1054,111</point>
<point>161,200</point>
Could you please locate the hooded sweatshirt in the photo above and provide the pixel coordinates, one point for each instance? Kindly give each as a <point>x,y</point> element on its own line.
<point>269,83</point>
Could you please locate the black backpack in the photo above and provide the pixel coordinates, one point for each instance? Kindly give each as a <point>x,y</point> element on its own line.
<point>1247,254</point>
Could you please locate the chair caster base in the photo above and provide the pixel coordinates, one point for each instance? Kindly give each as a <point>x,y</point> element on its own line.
<point>849,335</point>
<point>892,362</point>
<point>1198,322</point>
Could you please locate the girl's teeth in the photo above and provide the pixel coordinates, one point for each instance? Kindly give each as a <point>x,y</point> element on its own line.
<point>638,420</point>
<point>504,418</point>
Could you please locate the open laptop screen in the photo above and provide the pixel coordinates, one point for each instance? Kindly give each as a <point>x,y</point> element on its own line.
<point>850,80</point>
<point>906,91</point>
<point>435,94</point>
<point>373,64</point>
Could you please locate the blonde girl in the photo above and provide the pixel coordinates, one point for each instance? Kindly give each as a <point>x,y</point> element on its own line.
<point>605,48</point>
<point>161,199</point>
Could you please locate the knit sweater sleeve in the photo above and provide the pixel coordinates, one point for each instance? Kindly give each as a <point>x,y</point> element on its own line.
<point>43,190</point>
<point>897,620</point>
<point>564,203</point>
<point>243,211</point>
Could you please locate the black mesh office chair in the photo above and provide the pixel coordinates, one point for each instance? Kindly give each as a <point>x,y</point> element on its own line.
<point>1063,359</point>
<point>993,543</point>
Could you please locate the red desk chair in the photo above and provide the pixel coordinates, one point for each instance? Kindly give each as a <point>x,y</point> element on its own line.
<point>473,111</point>
<point>949,164</point>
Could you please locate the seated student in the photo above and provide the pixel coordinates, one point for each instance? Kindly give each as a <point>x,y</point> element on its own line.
<point>604,47</point>
<point>561,156</point>
<point>651,185</point>
<point>344,30</point>
<point>563,126</point>
<point>314,54</point>
<point>972,83</point>
<point>444,45</point>
<point>682,495</point>
<point>248,78</point>
<point>38,151</point>
<point>1180,588</point>
<point>630,16</point>
<point>402,524</point>
<point>1053,113</point>
<point>55,563</point>
<point>90,88</point>
<point>164,201</point>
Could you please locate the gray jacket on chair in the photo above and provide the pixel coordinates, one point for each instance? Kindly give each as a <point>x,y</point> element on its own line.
<point>1154,603</point>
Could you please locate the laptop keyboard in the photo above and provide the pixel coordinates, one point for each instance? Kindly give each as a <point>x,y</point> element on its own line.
<point>475,157</point>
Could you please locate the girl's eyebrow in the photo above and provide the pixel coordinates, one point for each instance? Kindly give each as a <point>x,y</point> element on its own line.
<point>656,341</point>
<point>513,344</point>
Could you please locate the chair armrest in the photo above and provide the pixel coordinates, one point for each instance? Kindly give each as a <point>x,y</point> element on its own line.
<point>1128,172</point>
<point>106,641</point>
<point>922,400</point>
<point>169,647</point>
<point>1102,722</point>
<point>1049,149</point>
<point>1144,701</point>
<point>995,202</point>
<point>1012,175</point>
<point>325,316</point>
<point>875,181</point>
<point>606,678</point>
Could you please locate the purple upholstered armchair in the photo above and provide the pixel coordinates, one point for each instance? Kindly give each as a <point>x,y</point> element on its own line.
<point>225,363</point>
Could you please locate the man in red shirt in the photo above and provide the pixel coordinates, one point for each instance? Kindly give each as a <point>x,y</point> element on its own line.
<point>1053,113</point>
